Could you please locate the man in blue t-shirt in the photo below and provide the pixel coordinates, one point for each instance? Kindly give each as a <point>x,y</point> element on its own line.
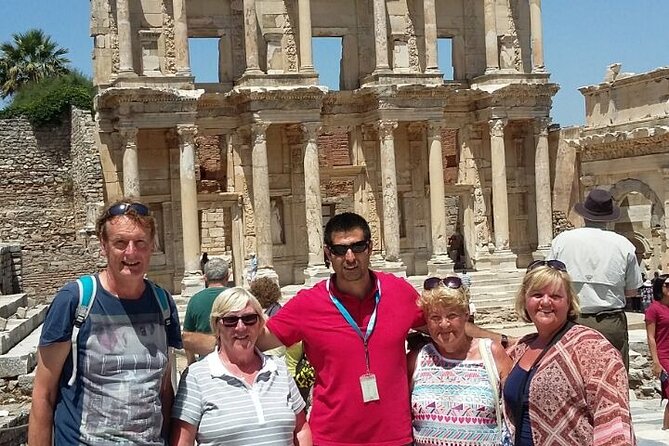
<point>121,388</point>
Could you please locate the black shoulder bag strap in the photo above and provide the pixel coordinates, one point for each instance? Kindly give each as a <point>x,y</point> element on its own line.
<point>518,410</point>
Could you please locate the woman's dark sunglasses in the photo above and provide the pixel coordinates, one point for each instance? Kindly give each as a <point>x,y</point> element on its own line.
<point>124,208</point>
<point>357,248</point>
<point>449,282</point>
<point>232,321</point>
<point>555,264</point>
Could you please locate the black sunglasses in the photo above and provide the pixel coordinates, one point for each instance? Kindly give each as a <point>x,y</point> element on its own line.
<point>232,321</point>
<point>554,264</point>
<point>124,208</point>
<point>449,282</point>
<point>357,248</point>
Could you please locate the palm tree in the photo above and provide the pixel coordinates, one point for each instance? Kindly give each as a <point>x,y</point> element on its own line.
<point>29,57</point>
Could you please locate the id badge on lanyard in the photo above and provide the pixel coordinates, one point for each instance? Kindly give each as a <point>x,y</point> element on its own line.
<point>370,391</point>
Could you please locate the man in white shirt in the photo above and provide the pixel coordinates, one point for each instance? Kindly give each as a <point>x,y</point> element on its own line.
<point>603,268</point>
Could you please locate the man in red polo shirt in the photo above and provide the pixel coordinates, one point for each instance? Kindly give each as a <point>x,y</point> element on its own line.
<point>353,327</point>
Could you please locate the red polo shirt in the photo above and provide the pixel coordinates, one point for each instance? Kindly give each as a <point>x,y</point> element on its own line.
<point>339,416</point>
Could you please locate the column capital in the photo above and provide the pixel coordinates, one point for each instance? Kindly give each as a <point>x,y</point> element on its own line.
<point>541,126</point>
<point>385,128</point>
<point>434,129</point>
<point>186,131</point>
<point>127,136</point>
<point>311,130</point>
<point>258,132</point>
<point>497,126</point>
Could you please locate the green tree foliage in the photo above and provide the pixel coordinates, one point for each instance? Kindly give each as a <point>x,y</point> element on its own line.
<point>29,57</point>
<point>46,101</point>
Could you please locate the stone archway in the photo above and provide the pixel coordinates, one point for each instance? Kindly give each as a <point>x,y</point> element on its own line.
<point>629,185</point>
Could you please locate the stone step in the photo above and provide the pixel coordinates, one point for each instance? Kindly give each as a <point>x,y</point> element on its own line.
<point>19,328</point>
<point>10,302</point>
<point>21,359</point>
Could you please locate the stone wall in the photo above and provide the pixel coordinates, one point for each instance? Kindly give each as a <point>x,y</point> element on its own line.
<point>44,196</point>
<point>10,269</point>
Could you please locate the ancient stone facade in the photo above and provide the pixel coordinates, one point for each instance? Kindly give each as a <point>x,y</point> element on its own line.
<point>255,164</point>
<point>624,148</point>
<point>49,179</point>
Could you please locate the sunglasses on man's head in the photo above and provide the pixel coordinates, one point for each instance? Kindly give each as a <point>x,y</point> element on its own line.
<point>449,282</point>
<point>357,248</point>
<point>232,321</point>
<point>554,264</point>
<point>124,208</point>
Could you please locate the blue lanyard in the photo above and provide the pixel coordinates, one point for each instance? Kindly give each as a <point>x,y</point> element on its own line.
<point>370,325</point>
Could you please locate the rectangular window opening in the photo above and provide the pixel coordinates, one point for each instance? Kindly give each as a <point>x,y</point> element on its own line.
<point>327,53</point>
<point>203,52</point>
<point>445,57</point>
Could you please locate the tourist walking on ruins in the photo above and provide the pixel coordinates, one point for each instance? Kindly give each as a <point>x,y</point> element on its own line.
<point>568,384</point>
<point>109,382</point>
<point>657,331</point>
<point>236,394</point>
<point>198,339</point>
<point>353,327</point>
<point>603,267</point>
<point>455,378</point>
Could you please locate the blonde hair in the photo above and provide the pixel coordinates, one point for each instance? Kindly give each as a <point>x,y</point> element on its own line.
<point>443,297</point>
<point>234,299</point>
<point>540,278</point>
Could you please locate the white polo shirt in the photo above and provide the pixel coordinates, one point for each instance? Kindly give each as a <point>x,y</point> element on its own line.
<point>602,265</point>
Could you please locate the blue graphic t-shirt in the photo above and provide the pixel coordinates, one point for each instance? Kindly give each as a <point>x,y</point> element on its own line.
<point>121,360</point>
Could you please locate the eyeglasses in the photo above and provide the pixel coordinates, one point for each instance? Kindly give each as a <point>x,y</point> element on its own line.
<point>357,248</point>
<point>665,284</point>
<point>554,264</point>
<point>124,208</point>
<point>449,282</point>
<point>232,321</point>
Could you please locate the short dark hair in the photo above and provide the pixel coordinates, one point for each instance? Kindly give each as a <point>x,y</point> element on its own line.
<point>343,222</point>
<point>143,219</point>
<point>658,283</point>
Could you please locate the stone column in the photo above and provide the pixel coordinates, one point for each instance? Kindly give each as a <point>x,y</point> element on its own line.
<point>491,45</point>
<point>500,203</point>
<point>181,38</point>
<point>261,201</point>
<point>251,37</point>
<point>130,162</point>
<point>193,280</point>
<point>304,12</point>
<point>380,36</point>
<point>665,249</point>
<point>542,182</point>
<point>439,263</point>
<point>391,224</point>
<point>430,13</point>
<point>126,66</point>
<point>536,30</point>
<point>315,269</point>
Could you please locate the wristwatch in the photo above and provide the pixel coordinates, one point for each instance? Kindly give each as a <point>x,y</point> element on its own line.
<point>504,341</point>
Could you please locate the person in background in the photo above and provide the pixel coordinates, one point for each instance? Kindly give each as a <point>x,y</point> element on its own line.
<point>647,295</point>
<point>237,395</point>
<point>197,336</point>
<point>268,293</point>
<point>657,332</point>
<point>454,401</point>
<point>603,267</point>
<point>568,384</point>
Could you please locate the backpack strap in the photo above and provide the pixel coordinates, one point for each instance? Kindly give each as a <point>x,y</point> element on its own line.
<point>163,302</point>
<point>88,287</point>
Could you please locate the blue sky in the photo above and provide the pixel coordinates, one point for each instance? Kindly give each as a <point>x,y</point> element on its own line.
<point>581,37</point>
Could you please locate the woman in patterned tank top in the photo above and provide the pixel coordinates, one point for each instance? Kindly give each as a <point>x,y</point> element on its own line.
<point>453,402</point>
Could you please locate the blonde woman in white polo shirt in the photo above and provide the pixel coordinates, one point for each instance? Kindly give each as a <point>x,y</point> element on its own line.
<point>237,395</point>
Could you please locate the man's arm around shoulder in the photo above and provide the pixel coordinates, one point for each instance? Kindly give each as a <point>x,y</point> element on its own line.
<point>50,361</point>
